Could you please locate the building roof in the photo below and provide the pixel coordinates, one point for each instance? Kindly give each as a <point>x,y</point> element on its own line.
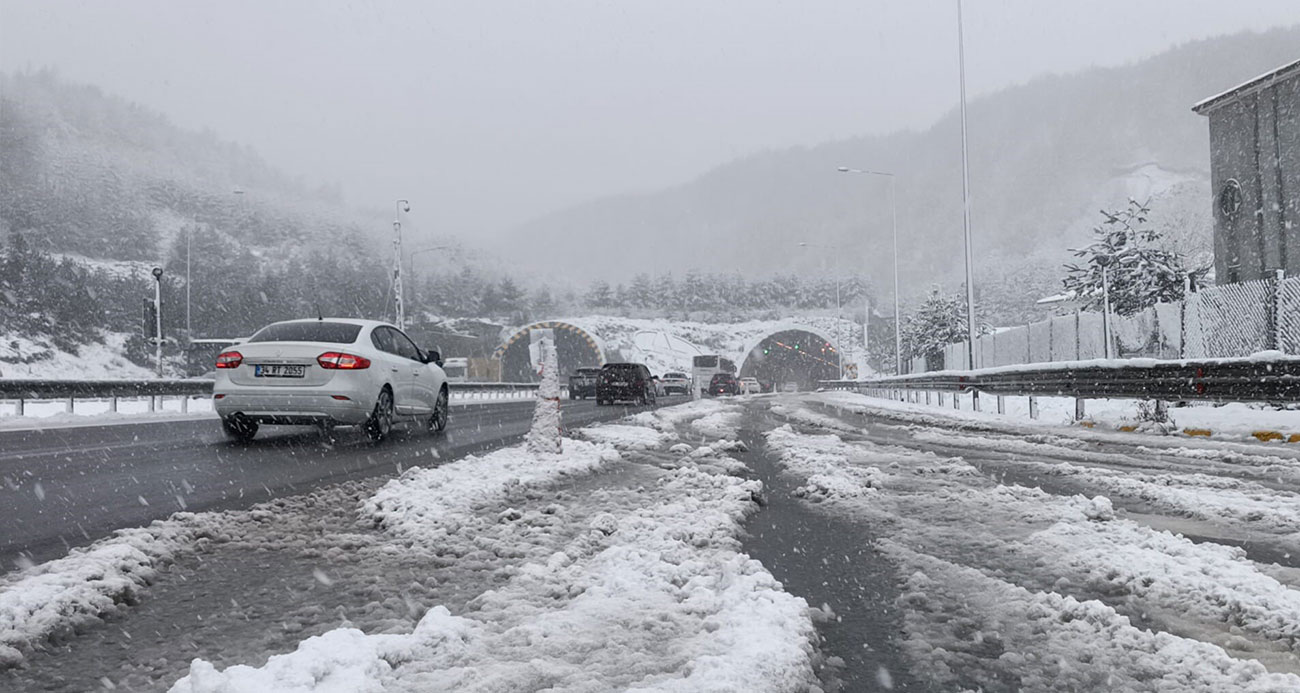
<point>1261,82</point>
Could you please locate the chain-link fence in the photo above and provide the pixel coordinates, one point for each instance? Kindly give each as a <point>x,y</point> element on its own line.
<point>1288,314</point>
<point>1229,320</point>
<point>1216,322</point>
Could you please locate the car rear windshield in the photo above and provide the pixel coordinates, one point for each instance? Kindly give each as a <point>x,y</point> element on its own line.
<point>621,367</point>
<point>335,332</point>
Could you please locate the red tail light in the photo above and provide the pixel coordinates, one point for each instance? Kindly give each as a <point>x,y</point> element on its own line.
<point>230,359</point>
<point>337,360</point>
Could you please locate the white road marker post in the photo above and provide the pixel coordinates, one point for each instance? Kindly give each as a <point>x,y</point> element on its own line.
<point>544,436</point>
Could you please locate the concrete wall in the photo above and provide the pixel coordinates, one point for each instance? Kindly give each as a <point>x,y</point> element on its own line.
<point>1256,141</point>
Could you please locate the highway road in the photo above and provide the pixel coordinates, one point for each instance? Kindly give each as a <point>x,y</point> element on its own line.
<point>67,487</point>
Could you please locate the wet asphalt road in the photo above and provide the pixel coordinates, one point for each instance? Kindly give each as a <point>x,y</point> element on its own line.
<point>67,487</point>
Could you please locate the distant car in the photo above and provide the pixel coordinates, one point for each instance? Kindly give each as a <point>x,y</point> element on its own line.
<point>625,381</point>
<point>724,384</point>
<point>789,387</point>
<point>674,383</point>
<point>750,386</point>
<point>582,384</point>
<point>328,372</point>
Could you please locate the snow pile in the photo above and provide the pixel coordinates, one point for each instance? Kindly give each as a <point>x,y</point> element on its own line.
<point>824,462</point>
<point>656,599</point>
<point>627,437</point>
<point>716,418</point>
<point>972,630</point>
<point>427,504</point>
<point>64,595</point>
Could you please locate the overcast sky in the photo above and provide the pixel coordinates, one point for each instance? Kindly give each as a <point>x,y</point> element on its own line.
<point>487,113</point>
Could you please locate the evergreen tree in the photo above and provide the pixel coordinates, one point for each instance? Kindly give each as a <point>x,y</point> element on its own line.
<point>599,295</point>
<point>1140,272</point>
<point>940,320</point>
<point>513,299</point>
<point>641,294</point>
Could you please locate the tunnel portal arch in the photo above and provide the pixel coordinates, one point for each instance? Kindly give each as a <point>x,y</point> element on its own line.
<point>575,348</point>
<point>791,354</point>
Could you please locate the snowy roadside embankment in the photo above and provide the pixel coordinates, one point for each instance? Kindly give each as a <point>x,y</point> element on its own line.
<point>1234,421</point>
<point>67,594</point>
<point>654,597</point>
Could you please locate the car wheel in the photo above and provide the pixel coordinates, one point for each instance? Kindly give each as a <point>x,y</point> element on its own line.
<point>239,428</point>
<point>441,413</point>
<point>380,423</point>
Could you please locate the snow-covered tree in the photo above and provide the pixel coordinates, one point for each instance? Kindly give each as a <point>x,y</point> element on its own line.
<point>599,295</point>
<point>940,320</point>
<point>1140,271</point>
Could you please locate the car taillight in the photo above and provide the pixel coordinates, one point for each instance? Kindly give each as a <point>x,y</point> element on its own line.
<point>230,359</point>
<point>338,360</point>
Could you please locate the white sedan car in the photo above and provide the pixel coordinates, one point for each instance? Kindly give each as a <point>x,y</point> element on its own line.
<point>329,371</point>
<point>750,386</point>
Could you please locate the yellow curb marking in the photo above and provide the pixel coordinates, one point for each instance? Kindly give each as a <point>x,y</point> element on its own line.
<point>1203,432</point>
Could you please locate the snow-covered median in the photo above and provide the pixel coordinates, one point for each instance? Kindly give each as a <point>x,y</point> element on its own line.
<point>657,597</point>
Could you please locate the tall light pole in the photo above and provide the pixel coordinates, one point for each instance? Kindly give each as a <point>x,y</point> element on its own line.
<point>893,213</point>
<point>157,317</point>
<point>402,206</point>
<point>965,200</point>
<point>839,339</point>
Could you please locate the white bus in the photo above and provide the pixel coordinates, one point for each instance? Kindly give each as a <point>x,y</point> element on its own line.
<point>704,367</point>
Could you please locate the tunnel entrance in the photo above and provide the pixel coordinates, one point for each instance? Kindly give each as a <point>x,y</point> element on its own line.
<point>574,347</point>
<point>793,356</point>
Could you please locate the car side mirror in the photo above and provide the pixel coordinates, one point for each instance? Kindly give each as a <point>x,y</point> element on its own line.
<point>432,356</point>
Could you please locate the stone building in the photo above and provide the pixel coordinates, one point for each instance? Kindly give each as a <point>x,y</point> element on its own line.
<point>1255,173</point>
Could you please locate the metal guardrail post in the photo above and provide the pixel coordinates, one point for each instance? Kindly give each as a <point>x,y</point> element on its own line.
<point>1002,404</point>
<point>1079,409</point>
<point>1033,408</point>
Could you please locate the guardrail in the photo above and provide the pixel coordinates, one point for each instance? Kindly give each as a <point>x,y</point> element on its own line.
<point>1251,379</point>
<point>22,391</point>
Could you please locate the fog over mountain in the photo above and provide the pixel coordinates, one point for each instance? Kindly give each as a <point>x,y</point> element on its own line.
<point>1045,157</point>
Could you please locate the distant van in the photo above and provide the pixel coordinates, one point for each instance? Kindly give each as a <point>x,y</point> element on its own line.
<point>457,370</point>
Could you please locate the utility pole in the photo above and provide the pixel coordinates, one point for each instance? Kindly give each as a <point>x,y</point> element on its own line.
<point>402,206</point>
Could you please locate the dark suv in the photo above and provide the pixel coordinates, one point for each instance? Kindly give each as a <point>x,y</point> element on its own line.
<point>724,384</point>
<point>582,384</point>
<point>626,381</point>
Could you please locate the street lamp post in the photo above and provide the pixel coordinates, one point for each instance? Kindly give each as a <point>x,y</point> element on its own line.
<point>893,213</point>
<point>839,339</point>
<point>157,316</point>
<point>402,206</point>
<point>965,204</point>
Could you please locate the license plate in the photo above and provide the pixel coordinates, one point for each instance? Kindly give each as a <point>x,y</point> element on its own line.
<point>279,371</point>
<point>618,383</point>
